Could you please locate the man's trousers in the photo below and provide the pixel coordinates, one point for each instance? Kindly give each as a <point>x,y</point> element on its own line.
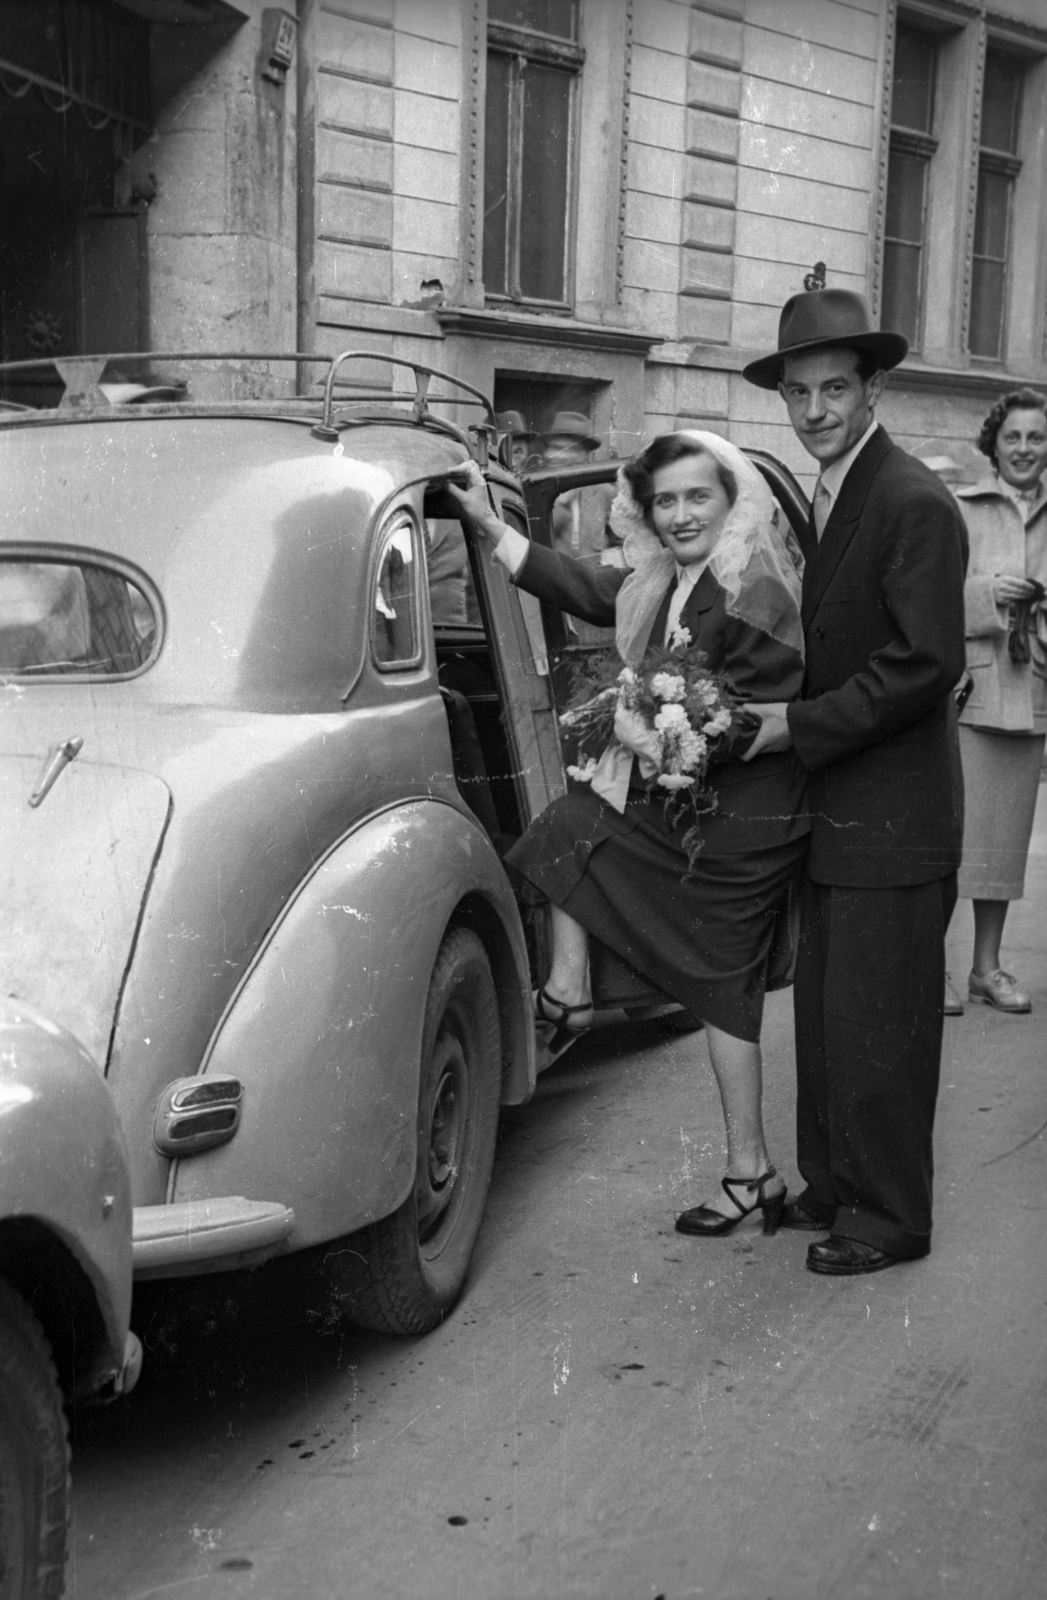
<point>870,976</point>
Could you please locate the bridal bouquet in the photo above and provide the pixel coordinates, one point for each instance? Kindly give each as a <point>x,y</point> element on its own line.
<point>669,712</point>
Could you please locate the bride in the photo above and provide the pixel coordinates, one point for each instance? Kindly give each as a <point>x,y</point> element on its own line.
<point>703,552</point>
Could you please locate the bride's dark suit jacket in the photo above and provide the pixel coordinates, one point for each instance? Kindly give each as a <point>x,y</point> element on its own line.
<point>760,802</point>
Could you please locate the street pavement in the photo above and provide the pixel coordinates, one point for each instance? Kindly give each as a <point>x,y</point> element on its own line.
<point>614,1410</point>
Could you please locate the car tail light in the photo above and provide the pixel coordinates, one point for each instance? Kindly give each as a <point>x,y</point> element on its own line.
<point>196,1114</point>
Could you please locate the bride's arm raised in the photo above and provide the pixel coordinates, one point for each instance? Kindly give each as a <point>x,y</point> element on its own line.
<point>581,588</point>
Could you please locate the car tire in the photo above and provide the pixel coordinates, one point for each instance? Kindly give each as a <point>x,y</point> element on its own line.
<point>404,1273</point>
<point>34,1459</point>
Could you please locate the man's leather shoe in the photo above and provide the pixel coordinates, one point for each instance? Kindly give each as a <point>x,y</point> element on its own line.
<point>844,1258</point>
<point>795,1215</point>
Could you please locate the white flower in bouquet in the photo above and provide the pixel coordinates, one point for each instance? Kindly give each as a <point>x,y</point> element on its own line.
<point>671,719</point>
<point>584,774</point>
<point>668,686</point>
<point>692,749</point>
<point>674,780</point>
<point>718,724</point>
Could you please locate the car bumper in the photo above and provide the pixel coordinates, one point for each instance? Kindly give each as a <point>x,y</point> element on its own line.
<point>219,1235</point>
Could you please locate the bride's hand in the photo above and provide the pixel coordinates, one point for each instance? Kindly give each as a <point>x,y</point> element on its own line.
<point>773,733</point>
<point>474,499</point>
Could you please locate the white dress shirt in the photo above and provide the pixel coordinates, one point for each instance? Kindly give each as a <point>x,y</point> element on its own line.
<point>831,480</point>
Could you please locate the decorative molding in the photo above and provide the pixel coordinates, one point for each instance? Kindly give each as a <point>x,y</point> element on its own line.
<point>623,158</point>
<point>472,150</point>
<point>972,188</point>
<point>1002,22</point>
<point>883,156</point>
<point>912,377</point>
<point>564,331</point>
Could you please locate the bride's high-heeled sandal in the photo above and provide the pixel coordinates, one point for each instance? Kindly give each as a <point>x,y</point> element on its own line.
<point>566,1030</point>
<point>707,1223</point>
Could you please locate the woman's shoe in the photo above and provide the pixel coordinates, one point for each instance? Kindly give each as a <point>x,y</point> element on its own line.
<point>559,1016</point>
<point>999,989</point>
<point>703,1220</point>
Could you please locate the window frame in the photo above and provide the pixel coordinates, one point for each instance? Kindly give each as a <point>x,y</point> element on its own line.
<point>401,517</point>
<point>924,146</point>
<point>1008,164</point>
<point>76,555</point>
<point>523,45</point>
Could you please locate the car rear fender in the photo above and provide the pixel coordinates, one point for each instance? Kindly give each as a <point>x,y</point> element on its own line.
<point>325,1030</point>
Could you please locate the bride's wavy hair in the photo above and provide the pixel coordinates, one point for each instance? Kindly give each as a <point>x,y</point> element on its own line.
<point>662,452</point>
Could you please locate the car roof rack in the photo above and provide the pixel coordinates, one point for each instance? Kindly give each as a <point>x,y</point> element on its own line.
<point>81,377</point>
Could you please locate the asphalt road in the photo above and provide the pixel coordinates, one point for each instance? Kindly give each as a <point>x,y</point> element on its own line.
<point>614,1410</point>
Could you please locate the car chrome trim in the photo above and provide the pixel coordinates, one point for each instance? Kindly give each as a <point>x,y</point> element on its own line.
<point>191,1233</point>
<point>195,1114</point>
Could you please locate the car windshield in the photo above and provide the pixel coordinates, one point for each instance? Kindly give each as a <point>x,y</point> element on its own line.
<point>72,617</point>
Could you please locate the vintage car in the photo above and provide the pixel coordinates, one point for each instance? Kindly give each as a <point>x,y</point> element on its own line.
<point>271,718</point>
<point>65,1281</point>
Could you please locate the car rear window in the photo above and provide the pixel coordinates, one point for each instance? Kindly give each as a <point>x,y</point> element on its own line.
<point>73,617</point>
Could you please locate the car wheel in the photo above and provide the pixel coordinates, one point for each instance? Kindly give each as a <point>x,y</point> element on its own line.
<point>404,1273</point>
<point>34,1459</point>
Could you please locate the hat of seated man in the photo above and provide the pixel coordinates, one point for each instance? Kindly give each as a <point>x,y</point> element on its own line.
<point>823,319</point>
<point>572,425</point>
<point>512,422</point>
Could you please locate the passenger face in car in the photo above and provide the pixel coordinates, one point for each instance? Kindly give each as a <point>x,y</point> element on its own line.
<point>689,508</point>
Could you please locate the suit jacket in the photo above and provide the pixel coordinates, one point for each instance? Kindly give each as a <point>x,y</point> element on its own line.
<point>760,803</point>
<point>884,632</point>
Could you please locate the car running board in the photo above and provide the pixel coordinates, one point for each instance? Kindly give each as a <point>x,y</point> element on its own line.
<point>194,1236</point>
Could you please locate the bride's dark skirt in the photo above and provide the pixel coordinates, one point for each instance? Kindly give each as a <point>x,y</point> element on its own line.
<point>703,938</point>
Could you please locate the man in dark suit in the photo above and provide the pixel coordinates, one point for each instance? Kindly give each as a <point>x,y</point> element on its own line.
<point>876,730</point>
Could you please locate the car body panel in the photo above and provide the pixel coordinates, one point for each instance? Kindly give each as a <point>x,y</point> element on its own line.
<point>87,849</point>
<point>325,1033</point>
<point>63,1165</point>
<point>297,768</point>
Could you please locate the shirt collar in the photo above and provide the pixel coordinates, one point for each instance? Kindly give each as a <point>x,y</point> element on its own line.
<point>833,476</point>
<point>1026,500</point>
<point>687,577</point>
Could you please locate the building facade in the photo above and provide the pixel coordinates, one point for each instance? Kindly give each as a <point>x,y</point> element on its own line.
<point>597,205</point>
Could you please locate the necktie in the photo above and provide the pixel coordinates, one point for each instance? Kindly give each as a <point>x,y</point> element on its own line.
<point>677,596</point>
<point>822,507</point>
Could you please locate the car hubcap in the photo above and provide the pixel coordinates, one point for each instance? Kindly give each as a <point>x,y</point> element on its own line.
<point>446,1118</point>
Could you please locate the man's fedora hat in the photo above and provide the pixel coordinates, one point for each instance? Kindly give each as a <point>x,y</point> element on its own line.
<point>572,425</point>
<point>512,422</point>
<point>818,320</point>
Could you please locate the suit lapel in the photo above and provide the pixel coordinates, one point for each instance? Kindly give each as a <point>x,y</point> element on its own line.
<point>700,599</point>
<point>843,522</point>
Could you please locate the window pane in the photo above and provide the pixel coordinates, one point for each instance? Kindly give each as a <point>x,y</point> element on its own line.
<point>543,199</point>
<point>393,631</point>
<point>1001,99</point>
<point>912,104</point>
<point>545,16</point>
<point>987,291</point>
<point>72,617</point>
<point>991,215</point>
<point>496,175</point>
<point>906,179</point>
<point>452,594</point>
<point>900,308</point>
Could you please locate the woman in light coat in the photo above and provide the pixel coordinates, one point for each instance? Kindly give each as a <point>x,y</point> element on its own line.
<point>1004,721</point>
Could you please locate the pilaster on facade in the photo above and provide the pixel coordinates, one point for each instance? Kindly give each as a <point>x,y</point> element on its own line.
<point>712,138</point>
